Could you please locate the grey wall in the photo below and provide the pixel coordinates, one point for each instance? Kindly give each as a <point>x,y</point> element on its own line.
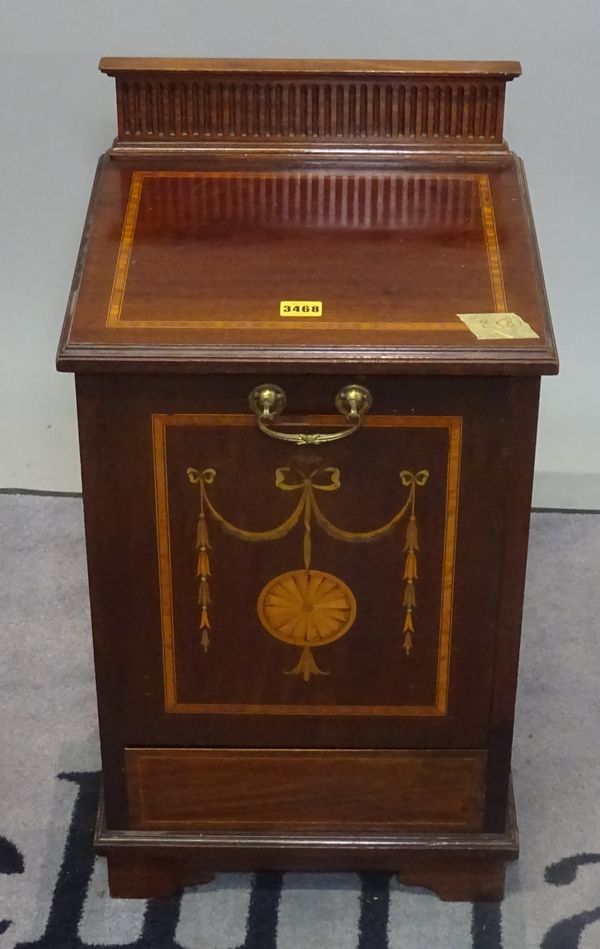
<point>57,115</point>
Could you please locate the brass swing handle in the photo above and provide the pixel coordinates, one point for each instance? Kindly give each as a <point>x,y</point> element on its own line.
<point>268,401</point>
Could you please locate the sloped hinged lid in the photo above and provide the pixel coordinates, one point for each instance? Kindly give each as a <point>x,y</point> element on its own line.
<point>309,214</point>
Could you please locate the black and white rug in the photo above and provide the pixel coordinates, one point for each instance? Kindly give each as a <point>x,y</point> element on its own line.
<point>53,893</point>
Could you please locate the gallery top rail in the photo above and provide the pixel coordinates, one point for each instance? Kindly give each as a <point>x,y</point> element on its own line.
<point>306,105</point>
<point>482,69</point>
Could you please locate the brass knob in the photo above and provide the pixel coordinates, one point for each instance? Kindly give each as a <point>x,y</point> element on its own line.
<point>267,401</point>
<point>353,402</point>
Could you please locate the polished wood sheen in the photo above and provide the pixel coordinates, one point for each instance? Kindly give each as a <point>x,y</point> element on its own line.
<point>307,649</point>
<point>185,269</point>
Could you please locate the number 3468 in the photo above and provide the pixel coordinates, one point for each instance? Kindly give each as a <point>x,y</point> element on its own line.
<point>301,308</point>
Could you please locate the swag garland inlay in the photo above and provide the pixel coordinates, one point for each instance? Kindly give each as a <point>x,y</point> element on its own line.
<point>307,607</point>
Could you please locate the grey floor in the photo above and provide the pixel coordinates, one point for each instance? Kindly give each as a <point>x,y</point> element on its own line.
<point>48,722</point>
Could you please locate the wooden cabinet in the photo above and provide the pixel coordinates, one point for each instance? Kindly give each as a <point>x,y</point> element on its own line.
<point>308,325</point>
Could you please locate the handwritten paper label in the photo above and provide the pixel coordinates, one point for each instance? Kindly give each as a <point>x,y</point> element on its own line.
<point>498,326</point>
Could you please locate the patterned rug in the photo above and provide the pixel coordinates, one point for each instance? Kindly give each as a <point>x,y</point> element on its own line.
<point>53,892</point>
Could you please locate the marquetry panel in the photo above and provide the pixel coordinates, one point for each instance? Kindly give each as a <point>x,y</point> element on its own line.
<point>208,648</point>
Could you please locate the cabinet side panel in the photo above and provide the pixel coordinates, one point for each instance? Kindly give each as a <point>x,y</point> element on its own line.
<point>108,572</point>
<point>523,399</point>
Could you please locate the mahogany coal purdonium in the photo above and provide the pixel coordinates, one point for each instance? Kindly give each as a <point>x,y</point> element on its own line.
<point>308,325</point>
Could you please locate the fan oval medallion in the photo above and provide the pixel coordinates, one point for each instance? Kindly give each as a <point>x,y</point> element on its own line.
<point>306,608</point>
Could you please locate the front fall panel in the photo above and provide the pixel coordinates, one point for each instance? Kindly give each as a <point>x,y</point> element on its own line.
<point>266,594</point>
<point>303,581</point>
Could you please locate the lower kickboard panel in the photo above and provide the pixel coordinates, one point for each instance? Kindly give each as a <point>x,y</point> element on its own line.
<point>261,789</point>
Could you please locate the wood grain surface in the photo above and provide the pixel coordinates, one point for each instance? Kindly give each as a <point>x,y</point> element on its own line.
<point>244,788</point>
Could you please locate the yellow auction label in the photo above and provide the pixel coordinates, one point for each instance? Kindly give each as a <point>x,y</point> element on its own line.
<point>301,308</point>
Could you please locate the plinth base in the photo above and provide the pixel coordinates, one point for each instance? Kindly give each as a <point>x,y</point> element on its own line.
<point>455,866</point>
